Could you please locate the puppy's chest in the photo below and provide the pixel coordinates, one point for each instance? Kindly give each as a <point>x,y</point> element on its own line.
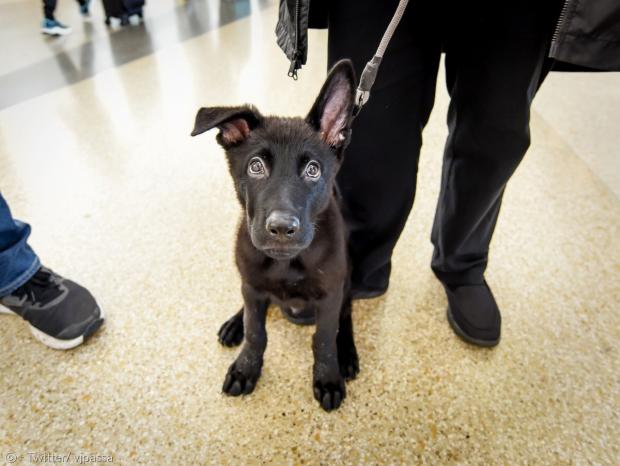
<point>287,281</point>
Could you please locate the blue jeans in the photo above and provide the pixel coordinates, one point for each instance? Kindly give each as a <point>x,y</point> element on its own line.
<point>18,262</point>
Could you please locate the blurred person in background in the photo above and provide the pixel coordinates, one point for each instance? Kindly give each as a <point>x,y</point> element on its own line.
<point>52,26</point>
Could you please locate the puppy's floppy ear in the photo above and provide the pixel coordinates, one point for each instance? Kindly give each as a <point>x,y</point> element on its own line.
<point>235,123</point>
<point>332,111</point>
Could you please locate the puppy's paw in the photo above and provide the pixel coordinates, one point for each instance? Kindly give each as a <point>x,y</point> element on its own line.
<point>240,382</point>
<point>348,361</point>
<point>231,331</point>
<point>329,393</point>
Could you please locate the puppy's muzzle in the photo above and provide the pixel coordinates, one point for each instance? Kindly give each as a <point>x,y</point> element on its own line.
<point>282,226</point>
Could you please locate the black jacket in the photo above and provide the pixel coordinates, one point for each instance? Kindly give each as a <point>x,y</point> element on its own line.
<point>587,33</point>
<point>295,17</point>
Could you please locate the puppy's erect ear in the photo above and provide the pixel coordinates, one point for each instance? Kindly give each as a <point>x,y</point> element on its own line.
<point>235,123</point>
<point>332,111</point>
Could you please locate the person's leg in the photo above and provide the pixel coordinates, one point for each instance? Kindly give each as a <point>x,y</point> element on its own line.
<point>49,7</point>
<point>61,313</point>
<point>378,176</point>
<point>18,262</point>
<point>493,72</point>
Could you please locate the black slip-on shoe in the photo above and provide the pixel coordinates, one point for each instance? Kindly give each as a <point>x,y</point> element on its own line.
<point>473,314</point>
<point>61,313</point>
<point>305,316</point>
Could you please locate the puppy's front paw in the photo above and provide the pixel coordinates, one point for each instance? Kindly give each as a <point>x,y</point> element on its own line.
<point>231,331</point>
<point>329,392</point>
<point>240,382</point>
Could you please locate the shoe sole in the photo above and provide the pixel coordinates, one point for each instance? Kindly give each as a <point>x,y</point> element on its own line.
<point>467,338</point>
<point>55,32</point>
<point>362,294</point>
<point>56,343</point>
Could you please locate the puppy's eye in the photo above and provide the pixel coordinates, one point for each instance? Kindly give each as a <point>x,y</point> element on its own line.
<point>313,170</point>
<point>256,168</point>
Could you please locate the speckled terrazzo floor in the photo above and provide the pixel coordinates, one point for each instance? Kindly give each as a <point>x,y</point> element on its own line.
<point>123,200</point>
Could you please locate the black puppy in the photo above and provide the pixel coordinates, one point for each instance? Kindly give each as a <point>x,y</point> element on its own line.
<point>291,244</point>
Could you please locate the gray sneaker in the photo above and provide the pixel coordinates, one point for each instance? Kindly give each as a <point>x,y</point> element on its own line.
<point>61,313</point>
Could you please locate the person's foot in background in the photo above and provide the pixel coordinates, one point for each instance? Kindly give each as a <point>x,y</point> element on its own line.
<point>85,10</point>
<point>54,27</point>
<point>61,313</point>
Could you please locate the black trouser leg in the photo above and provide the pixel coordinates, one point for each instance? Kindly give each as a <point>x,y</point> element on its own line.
<point>492,75</point>
<point>378,176</point>
<point>49,6</point>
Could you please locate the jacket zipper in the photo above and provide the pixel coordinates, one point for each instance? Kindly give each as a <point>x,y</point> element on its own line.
<point>296,61</point>
<point>559,25</point>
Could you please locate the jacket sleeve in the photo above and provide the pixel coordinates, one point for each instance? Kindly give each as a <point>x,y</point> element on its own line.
<point>588,34</point>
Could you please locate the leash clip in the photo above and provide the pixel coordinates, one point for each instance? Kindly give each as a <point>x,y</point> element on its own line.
<point>361,97</point>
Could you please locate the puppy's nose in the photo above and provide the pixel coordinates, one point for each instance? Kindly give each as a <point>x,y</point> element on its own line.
<point>282,226</point>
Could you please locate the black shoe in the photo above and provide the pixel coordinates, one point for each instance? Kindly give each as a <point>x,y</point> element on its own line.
<point>305,316</point>
<point>473,314</point>
<point>61,313</point>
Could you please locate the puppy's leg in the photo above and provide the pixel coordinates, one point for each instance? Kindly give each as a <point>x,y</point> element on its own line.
<point>245,371</point>
<point>347,353</point>
<point>231,331</point>
<point>328,384</point>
